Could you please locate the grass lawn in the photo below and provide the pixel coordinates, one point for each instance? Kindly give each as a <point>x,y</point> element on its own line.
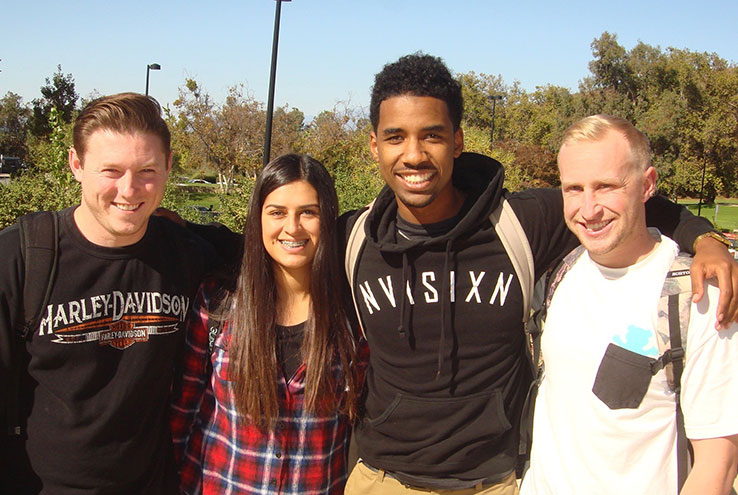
<point>202,195</point>
<point>727,212</point>
<point>204,198</point>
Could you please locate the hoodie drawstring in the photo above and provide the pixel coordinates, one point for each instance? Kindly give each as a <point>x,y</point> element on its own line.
<point>445,314</point>
<point>404,313</point>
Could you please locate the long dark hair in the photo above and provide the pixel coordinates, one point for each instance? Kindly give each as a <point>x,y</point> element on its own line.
<point>253,361</point>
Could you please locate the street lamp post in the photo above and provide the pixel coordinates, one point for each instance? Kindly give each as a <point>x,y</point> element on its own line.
<point>150,67</point>
<point>494,99</point>
<point>272,77</point>
<point>702,185</point>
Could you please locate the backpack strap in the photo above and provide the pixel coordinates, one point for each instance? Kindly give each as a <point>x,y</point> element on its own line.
<point>673,316</point>
<point>534,330</point>
<point>40,248</point>
<point>671,336</point>
<point>39,238</point>
<point>534,327</point>
<point>516,245</point>
<point>355,243</point>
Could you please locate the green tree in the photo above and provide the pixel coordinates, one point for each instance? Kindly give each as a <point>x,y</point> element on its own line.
<point>477,91</point>
<point>610,67</point>
<point>59,92</point>
<point>339,139</point>
<point>228,136</point>
<point>50,185</point>
<point>287,125</point>
<point>14,116</point>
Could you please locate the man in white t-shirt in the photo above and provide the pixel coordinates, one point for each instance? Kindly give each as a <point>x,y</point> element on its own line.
<point>586,444</point>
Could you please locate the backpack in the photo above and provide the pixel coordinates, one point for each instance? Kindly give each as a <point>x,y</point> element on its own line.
<point>671,335</point>
<point>39,238</point>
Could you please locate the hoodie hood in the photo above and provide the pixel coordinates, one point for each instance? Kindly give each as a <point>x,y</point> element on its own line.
<point>479,176</point>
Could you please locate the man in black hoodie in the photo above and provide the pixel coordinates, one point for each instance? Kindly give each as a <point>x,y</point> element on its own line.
<point>438,297</point>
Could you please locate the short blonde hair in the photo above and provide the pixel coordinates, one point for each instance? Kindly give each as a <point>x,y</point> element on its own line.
<point>595,127</point>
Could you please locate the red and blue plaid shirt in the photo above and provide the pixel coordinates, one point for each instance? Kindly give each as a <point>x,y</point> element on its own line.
<point>219,452</point>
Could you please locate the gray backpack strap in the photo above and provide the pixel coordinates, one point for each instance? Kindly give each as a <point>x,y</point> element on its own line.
<point>356,239</point>
<point>516,245</point>
<point>673,315</point>
<point>671,335</point>
<point>534,330</point>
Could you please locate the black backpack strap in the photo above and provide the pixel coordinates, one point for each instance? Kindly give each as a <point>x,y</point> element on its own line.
<point>672,326</point>
<point>683,462</point>
<point>39,244</point>
<point>39,248</point>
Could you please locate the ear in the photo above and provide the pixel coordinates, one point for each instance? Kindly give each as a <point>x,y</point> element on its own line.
<point>75,163</point>
<point>649,183</point>
<point>169,162</point>
<point>458,142</point>
<point>373,145</point>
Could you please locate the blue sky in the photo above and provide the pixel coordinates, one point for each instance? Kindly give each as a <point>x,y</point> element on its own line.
<point>329,50</point>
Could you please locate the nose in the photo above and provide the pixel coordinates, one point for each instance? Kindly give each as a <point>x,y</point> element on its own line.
<point>414,152</point>
<point>128,184</point>
<point>590,205</point>
<point>293,224</point>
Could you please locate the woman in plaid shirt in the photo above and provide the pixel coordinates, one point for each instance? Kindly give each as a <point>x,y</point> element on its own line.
<point>267,394</point>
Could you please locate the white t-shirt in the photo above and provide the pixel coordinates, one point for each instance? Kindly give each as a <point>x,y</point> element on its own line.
<point>580,444</point>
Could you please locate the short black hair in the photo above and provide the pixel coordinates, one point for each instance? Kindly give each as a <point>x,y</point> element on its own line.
<point>417,74</point>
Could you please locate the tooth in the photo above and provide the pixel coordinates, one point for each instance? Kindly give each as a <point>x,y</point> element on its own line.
<point>126,207</point>
<point>293,244</point>
<point>417,178</point>
<point>596,226</point>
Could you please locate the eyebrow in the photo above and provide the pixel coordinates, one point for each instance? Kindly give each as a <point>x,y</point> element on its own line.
<point>395,130</point>
<point>311,205</point>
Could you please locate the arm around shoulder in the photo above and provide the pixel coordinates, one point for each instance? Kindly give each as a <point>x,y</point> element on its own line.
<point>676,221</point>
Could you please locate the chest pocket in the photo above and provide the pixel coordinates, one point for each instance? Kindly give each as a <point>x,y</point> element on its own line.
<point>623,377</point>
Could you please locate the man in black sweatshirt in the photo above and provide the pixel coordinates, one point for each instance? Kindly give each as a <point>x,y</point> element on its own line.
<point>439,300</point>
<point>96,372</point>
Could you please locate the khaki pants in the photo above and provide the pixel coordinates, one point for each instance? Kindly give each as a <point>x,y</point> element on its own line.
<point>365,481</point>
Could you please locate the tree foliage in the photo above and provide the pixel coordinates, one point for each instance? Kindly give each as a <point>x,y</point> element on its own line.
<point>686,102</point>
<point>59,92</point>
<point>14,117</point>
<point>228,136</point>
<point>48,186</point>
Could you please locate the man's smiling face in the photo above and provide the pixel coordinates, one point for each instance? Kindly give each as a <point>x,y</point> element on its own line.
<point>604,195</point>
<point>415,144</point>
<point>123,177</point>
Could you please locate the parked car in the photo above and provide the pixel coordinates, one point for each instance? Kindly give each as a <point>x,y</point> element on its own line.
<point>10,164</point>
